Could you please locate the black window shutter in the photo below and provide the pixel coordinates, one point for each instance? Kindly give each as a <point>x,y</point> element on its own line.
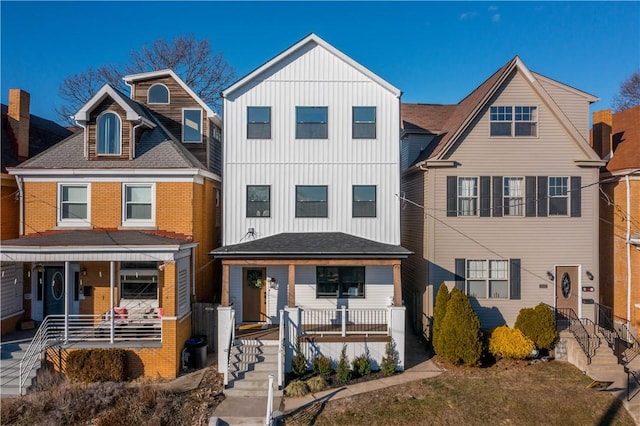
<point>485,196</point>
<point>543,201</point>
<point>452,196</point>
<point>460,274</point>
<point>514,279</point>
<point>530,194</point>
<point>576,196</point>
<point>497,196</point>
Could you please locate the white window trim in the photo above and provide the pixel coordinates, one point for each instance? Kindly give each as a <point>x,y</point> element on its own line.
<point>523,203</point>
<point>138,223</point>
<point>513,121</point>
<point>98,134</point>
<point>487,279</point>
<point>567,196</point>
<point>201,124</point>
<point>159,103</point>
<point>477,196</point>
<point>74,223</point>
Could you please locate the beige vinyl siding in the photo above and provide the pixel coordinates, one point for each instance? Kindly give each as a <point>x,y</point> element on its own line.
<point>574,105</point>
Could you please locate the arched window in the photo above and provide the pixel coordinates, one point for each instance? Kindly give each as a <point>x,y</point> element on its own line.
<point>158,94</point>
<point>109,134</point>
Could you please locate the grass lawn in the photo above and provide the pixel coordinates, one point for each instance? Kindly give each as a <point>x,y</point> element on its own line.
<point>507,393</point>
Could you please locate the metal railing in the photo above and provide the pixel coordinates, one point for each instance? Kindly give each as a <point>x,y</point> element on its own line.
<point>566,319</point>
<point>345,321</point>
<point>618,335</point>
<point>45,337</point>
<point>231,338</point>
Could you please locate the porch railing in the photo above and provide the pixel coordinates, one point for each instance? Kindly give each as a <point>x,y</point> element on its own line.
<point>345,321</point>
<point>616,331</point>
<point>281,350</point>
<point>229,345</point>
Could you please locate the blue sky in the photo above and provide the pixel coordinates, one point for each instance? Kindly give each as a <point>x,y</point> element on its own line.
<point>435,52</point>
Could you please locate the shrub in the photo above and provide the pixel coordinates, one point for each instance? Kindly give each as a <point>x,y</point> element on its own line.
<point>511,343</point>
<point>296,388</point>
<point>343,372</point>
<point>299,362</point>
<point>317,384</point>
<point>439,310</point>
<point>460,334</point>
<point>322,366</point>
<point>390,359</point>
<point>362,365</point>
<point>97,365</point>
<point>539,325</point>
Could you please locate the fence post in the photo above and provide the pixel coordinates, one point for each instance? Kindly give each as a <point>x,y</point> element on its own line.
<point>344,320</point>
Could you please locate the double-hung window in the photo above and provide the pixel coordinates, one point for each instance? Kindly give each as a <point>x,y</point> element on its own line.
<point>109,134</point>
<point>340,281</point>
<point>311,201</point>
<point>364,122</point>
<point>73,205</point>
<point>138,209</point>
<point>312,122</point>
<point>467,196</point>
<point>488,279</point>
<point>364,201</point>
<point>191,125</point>
<point>258,200</point>
<point>513,192</point>
<point>516,121</point>
<point>558,195</point>
<point>258,122</point>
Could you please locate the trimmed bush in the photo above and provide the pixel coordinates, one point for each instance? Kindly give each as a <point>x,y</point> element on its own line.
<point>539,325</point>
<point>510,343</point>
<point>460,334</point>
<point>362,365</point>
<point>322,366</point>
<point>97,365</point>
<point>296,388</point>
<point>439,310</point>
<point>343,372</point>
<point>390,359</point>
<point>317,384</point>
<point>299,362</point>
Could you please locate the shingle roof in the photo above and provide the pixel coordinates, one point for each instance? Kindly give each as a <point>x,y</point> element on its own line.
<point>626,140</point>
<point>311,245</point>
<point>91,238</point>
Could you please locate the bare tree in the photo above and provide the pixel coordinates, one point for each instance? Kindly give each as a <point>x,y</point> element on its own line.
<point>629,95</point>
<point>206,72</point>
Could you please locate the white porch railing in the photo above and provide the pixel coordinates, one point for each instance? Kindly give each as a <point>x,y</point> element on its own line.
<point>345,321</point>
<point>229,345</point>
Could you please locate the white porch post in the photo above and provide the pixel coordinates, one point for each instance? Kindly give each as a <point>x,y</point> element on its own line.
<point>112,286</point>
<point>67,280</point>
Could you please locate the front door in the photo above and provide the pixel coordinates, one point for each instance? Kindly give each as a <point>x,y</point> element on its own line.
<point>54,290</point>
<point>567,288</point>
<point>254,295</point>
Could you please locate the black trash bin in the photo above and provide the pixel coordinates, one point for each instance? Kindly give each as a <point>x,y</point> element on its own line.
<point>197,349</point>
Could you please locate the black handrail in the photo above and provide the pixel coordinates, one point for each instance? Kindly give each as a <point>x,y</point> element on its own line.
<point>632,373</point>
<point>566,319</point>
<point>620,332</point>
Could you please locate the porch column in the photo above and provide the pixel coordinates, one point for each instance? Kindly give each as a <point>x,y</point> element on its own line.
<point>397,285</point>
<point>67,281</point>
<point>224,297</point>
<point>291,286</point>
<point>112,286</point>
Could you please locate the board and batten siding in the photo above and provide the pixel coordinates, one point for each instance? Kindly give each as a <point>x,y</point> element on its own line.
<point>312,77</point>
<point>539,242</point>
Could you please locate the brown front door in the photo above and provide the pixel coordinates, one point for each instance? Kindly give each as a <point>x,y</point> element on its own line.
<point>254,295</point>
<point>567,287</point>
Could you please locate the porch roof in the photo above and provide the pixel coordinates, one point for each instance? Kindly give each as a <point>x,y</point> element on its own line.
<point>94,245</point>
<point>311,245</point>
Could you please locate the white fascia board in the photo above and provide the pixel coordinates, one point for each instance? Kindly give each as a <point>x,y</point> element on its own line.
<point>119,174</point>
<point>98,249</point>
<point>320,42</point>
<point>80,253</point>
<point>132,78</point>
<point>216,119</point>
<point>106,90</point>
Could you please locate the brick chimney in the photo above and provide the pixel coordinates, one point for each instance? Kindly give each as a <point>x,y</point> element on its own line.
<point>601,133</point>
<point>19,119</point>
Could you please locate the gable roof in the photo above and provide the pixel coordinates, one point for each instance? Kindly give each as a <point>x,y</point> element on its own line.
<point>134,111</point>
<point>311,38</point>
<point>133,78</point>
<point>461,115</point>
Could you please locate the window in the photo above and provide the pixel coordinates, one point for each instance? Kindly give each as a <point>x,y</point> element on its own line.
<point>513,202</point>
<point>191,125</point>
<point>139,281</point>
<point>364,201</point>
<point>158,94</point>
<point>73,205</point>
<point>311,123</point>
<point>109,134</point>
<point>311,201</point>
<point>558,196</point>
<point>518,121</point>
<point>467,196</point>
<point>258,200</point>
<point>340,281</point>
<point>138,204</point>
<point>364,122</point>
<point>258,122</point>
<point>488,279</point>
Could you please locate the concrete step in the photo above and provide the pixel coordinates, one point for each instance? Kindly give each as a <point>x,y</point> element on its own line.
<point>233,421</point>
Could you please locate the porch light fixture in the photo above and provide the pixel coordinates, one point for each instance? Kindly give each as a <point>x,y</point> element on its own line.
<point>272,283</point>
<point>39,267</point>
<point>590,275</point>
<point>550,275</point>
<point>84,272</point>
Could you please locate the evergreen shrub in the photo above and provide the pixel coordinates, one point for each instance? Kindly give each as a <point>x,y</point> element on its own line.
<point>539,325</point>
<point>390,359</point>
<point>362,365</point>
<point>97,365</point>
<point>322,365</point>
<point>510,343</point>
<point>439,310</point>
<point>299,362</point>
<point>460,338</point>
<point>343,372</point>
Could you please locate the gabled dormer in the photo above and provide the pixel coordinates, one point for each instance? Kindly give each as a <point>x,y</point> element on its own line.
<point>112,125</point>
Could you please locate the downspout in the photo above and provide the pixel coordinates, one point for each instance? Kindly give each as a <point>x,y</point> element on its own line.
<point>628,241</point>
<point>133,139</point>
<point>85,143</point>
<point>21,195</point>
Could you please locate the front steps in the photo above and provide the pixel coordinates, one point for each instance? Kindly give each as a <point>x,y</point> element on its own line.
<point>251,363</point>
<point>11,353</point>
